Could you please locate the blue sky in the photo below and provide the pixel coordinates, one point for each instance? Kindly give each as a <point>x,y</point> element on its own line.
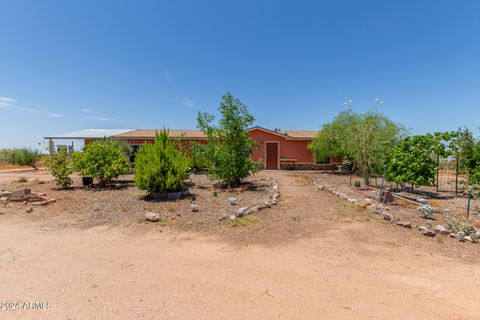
<point>69,65</point>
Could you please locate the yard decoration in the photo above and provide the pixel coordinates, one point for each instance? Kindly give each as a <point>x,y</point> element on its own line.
<point>102,160</point>
<point>161,167</point>
<point>364,141</point>
<point>25,157</point>
<point>229,146</point>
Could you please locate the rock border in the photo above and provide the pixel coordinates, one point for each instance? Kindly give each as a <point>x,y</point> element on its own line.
<point>245,211</point>
<point>381,210</point>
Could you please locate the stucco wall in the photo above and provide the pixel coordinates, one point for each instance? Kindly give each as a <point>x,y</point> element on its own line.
<point>293,149</point>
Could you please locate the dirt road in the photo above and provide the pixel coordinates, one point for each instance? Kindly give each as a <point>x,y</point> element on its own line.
<point>341,269</point>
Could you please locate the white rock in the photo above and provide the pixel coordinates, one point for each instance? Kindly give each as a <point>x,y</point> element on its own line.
<point>441,230</point>
<point>152,216</point>
<point>241,212</point>
<point>232,200</point>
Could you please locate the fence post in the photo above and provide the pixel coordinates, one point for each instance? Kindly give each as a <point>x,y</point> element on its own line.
<point>456,177</point>
<point>438,171</point>
<point>468,206</point>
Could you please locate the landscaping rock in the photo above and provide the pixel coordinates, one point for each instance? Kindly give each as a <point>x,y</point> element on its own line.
<point>28,209</point>
<point>51,201</point>
<point>40,203</point>
<point>441,230</point>
<point>422,201</point>
<point>404,224</point>
<point>426,232</point>
<point>468,238</point>
<point>232,201</point>
<point>387,216</point>
<point>267,204</point>
<point>20,195</point>
<point>252,210</point>
<point>194,207</point>
<point>5,194</point>
<point>152,216</point>
<point>232,217</point>
<point>241,212</point>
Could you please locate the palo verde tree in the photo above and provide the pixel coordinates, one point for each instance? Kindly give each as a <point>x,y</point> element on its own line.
<point>229,146</point>
<point>364,141</point>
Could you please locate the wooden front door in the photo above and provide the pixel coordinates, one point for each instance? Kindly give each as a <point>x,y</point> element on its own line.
<point>272,155</point>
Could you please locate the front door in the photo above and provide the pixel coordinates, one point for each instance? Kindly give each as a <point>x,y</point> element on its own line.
<point>272,155</point>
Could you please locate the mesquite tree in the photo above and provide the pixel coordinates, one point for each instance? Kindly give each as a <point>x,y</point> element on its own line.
<point>229,146</point>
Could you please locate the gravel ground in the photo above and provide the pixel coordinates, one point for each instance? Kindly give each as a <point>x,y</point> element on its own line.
<point>447,209</point>
<point>127,205</point>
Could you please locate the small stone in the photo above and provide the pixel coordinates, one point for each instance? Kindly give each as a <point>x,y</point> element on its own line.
<point>387,216</point>
<point>253,210</point>
<point>40,203</point>
<point>468,238</point>
<point>28,209</point>
<point>422,201</point>
<point>368,200</point>
<point>51,201</point>
<point>274,202</point>
<point>241,212</point>
<point>446,210</point>
<point>426,232</point>
<point>296,218</point>
<point>232,217</point>
<point>441,230</point>
<point>152,216</point>
<point>194,207</point>
<point>267,204</point>
<point>232,201</point>
<point>405,224</point>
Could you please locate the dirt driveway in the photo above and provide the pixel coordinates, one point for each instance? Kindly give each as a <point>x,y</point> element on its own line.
<point>313,258</point>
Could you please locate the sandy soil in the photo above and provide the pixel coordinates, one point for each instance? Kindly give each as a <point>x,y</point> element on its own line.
<point>311,257</point>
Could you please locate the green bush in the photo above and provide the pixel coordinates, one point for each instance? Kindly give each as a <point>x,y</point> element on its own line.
<point>102,160</point>
<point>61,168</point>
<point>25,157</point>
<point>162,166</point>
<point>198,155</point>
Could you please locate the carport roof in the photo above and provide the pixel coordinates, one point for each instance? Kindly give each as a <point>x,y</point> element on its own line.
<point>89,134</point>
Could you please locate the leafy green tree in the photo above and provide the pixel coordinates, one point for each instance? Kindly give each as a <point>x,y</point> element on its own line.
<point>162,166</point>
<point>25,157</point>
<point>61,168</point>
<point>229,146</point>
<point>102,160</point>
<point>197,152</point>
<point>413,160</point>
<point>364,141</point>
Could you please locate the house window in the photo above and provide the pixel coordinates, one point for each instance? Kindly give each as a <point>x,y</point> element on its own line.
<point>326,160</point>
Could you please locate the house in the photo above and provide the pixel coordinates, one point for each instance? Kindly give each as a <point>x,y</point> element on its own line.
<point>275,149</point>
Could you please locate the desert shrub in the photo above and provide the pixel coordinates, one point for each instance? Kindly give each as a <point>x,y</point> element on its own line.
<point>229,146</point>
<point>126,148</point>
<point>161,167</point>
<point>426,211</point>
<point>6,155</point>
<point>357,184</point>
<point>198,155</point>
<point>461,225</point>
<point>25,157</point>
<point>22,179</point>
<point>61,168</point>
<point>102,160</point>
